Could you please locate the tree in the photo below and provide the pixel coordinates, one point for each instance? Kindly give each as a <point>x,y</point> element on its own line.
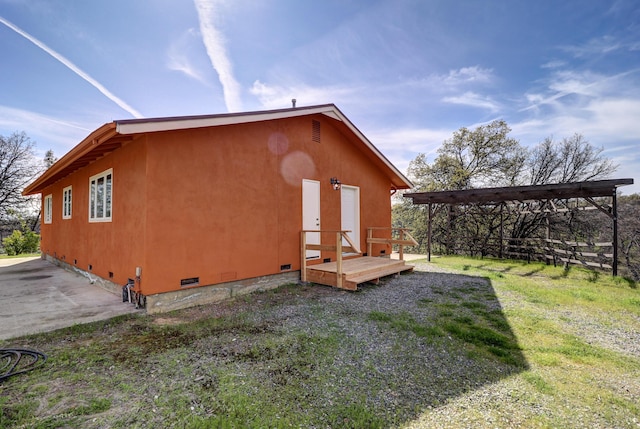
<point>17,169</point>
<point>485,156</point>
<point>629,233</point>
<point>488,157</point>
<point>22,240</point>
<point>573,159</point>
<point>49,159</point>
<point>18,166</point>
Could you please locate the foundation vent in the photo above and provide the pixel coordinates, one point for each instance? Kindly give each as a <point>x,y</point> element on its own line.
<point>315,131</point>
<point>192,281</point>
<point>325,260</point>
<point>285,267</point>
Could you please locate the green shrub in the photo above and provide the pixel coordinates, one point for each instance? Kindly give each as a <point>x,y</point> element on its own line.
<point>21,242</point>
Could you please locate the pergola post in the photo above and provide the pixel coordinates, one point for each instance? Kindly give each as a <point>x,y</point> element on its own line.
<point>429,216</point>
<point>501,229</point>
<point>615,232</point>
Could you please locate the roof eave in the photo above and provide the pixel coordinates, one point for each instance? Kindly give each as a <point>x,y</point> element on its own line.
<point>97,137</point>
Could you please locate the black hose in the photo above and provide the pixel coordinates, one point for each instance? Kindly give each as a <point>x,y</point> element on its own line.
<point>12,363</point>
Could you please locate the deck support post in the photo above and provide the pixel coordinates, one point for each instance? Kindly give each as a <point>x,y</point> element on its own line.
<point>339,259</point>
<point>303,252</point>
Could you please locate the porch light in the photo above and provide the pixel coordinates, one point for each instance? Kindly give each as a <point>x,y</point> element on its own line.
<point>335,183</point>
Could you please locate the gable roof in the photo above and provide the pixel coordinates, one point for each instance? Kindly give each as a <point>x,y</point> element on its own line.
<point>111,136</point>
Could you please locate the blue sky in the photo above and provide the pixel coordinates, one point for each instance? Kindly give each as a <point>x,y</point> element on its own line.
<point>407,73</point>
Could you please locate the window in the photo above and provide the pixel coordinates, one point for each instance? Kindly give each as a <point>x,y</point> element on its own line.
<point>100,195</point>
<point>48,201</point>
<point>66,203</point>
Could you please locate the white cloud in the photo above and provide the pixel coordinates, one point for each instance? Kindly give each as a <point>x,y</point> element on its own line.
<point>215,45</point>
<point>586,85</point>
<point>597,46</point>
<point>464,76</point>
<point>402,145</point>
<point>553,64</point>
<point>178,57</point>
<point>456,79</point>
<point>472,99</point>
<point>278,97</point>
<point>73,68</point>
<point>47,131</point>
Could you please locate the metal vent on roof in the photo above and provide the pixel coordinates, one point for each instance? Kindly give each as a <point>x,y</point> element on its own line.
<point>315,131</point>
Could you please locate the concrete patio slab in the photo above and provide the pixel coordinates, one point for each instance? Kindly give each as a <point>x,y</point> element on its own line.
<point>37,296</point>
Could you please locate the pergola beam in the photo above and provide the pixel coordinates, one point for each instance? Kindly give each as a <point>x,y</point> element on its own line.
<point>596,188</point>
<point>544,193</point>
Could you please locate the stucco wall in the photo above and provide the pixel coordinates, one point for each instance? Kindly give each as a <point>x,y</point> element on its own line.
<point>113,249</point>
<point>220,204</point>
<point>225,203</point>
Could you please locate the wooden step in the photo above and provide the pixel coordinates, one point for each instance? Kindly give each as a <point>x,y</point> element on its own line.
<point>367,266</point>
<point>355,271</point>
<point>351,282</point>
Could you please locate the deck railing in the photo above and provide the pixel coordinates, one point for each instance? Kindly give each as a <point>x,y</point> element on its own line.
<point>338,248</point>
<point>404,239</point>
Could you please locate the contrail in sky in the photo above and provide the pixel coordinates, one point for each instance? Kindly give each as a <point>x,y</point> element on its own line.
<point>214,43</point>
<point>73,68</point>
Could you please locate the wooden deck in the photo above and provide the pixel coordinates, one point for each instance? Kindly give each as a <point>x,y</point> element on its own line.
<point>355,271</point>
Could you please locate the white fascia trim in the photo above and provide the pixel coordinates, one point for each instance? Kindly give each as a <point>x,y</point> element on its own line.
<point>188,123</point>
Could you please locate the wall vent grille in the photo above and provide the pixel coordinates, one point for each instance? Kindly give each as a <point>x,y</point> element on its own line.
<point>315,131</point>
<point>192,281</point>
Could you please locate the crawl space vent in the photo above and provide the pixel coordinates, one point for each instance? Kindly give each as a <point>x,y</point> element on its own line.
<point>193,281</point>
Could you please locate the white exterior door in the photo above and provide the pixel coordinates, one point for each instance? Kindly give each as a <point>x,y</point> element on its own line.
<point>311,214</point>
<point>350,213</point>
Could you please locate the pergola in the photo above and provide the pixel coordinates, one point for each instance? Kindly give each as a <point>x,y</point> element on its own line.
<point>546,194</point>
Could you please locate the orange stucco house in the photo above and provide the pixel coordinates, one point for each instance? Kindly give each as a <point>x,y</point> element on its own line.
<point>193,209</point>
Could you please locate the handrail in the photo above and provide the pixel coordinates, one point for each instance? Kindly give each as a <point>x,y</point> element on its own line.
<point>338,248</point>
<point>409,241</point>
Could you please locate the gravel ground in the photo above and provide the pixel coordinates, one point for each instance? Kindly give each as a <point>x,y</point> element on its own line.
<point>454,389</point>
<point>409,372</point>
<point>415,381</point>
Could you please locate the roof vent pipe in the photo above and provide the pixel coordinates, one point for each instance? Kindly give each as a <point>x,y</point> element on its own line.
<point>293,102</point>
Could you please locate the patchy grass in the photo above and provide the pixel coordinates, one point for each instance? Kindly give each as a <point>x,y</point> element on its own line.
<point>23,255</point>
<point>494,344</point>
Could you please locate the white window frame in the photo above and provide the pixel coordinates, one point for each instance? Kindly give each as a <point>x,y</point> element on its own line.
<point>67,202</point>
<point>48,206</point>
<point>101,207</point>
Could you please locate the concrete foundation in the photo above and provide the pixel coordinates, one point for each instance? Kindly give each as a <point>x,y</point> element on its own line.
<point>105,284</point>
<point>192,296</point>
<point>189,297</point>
